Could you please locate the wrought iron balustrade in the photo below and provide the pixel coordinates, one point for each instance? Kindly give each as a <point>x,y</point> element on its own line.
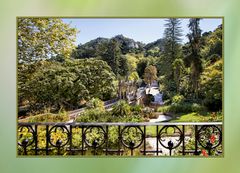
<point>156,139</point>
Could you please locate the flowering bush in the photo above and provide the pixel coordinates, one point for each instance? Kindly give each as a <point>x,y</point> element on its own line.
<point>212,140</point>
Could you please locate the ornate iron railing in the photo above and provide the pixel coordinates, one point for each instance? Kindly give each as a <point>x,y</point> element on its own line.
<point>156,139</point>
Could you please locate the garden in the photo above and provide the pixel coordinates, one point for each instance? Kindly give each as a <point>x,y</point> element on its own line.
<point>118,80</point>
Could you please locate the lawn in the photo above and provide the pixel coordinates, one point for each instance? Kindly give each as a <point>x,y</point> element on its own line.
<point>197,117</point>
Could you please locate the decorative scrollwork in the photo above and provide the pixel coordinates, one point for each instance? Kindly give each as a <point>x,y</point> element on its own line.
<point>94,136</point>
<point>209,136</point>
<point>132,136</point>
<point>26,136</point>
<point>59,136</point>
<point>123,139</point>
<point>170,136</point>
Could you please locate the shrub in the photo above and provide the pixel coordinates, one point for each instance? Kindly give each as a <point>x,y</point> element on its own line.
<point>181,108</point>
<point>148,112</point>
<point>121,109</point>
<point>136,109</point>
<point>178,99</point>
<point>63,117</point>
<point>95,103</point>
<point>105,116</point>
<point>211,86</point>
<point>167,101</point>
<point>197,108</point>
<point>121,112</point>
<point>94,115</point>
<point>164,109</point>
<point>131,118</point>
<point>213,105</point>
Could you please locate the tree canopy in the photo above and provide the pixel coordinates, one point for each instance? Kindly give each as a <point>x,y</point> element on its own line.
<point>111,53</point>
<point>194,57</point>
<point>54,73</point>
<point>42,38</point>
<point>150,74</point>
<point>65,84</point>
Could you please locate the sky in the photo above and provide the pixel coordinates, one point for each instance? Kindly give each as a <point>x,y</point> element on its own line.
<point>144,30</point>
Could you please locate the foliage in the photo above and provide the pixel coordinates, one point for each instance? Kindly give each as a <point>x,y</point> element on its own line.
<point>198,117</point>
<point>212,50</point>
<point>143,63</point>
<point>132,61</point>
<point>141,67</point>
<point>121,112</point>
<point>168,87</point>
<point>123,66</point>
<point>133,77</point>
<point>155,52</point>
<point>154,48</point>
<point>62,117</point>
<point>94,115</point>
<point>96,75</point>
<point>193,58</point>
<point>179,69</point>
<point>48,79</point>
<point>173,31</point>
<point>182,108</point>
<point>178,99</point>
<point>211,85</point>
<point>65,84</point>
<point>150,74</point>
<point>172,38</point>
<point>121,109</point>
<point>91,48</point>
<point>136,109</point>
<point>166,65</point>
<point>149,113</point>
<point>198,108</point>
<point>111,53</point>
<point>95,103</point>
<point>41,38</point>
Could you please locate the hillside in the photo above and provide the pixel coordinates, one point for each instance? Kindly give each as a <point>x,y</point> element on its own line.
<point>89,49</point>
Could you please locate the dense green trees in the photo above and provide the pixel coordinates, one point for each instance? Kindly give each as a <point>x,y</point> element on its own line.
<point>194,67</point>
<point>41,38</point>
<point>211,85</point>
<point>193,59</point>
<point>144,62</point>
<point>89,49</point>
<point>150,74</point>
<point>168,63</point>
<point>211,79</point>
<point>49,77</point>
<point>66,84</point>
<point>212,50</point>
<point>111,53</point>
<point>178,70</point>
<point>172,39</point>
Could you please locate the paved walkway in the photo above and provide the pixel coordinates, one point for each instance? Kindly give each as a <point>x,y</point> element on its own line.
<point>161,118</point>
<point>152,142</point>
